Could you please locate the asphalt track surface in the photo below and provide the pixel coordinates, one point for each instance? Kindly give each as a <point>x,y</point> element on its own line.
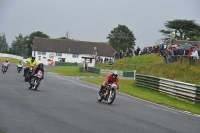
<point>67,105</point>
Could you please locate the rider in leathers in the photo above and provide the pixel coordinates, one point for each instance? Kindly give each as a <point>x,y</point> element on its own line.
<point>110,79</point>
<point>30,62</point>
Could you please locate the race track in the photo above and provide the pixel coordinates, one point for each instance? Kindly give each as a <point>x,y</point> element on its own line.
<point>67,105</point>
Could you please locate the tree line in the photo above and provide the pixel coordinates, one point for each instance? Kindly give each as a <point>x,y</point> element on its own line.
<point>21,45</point>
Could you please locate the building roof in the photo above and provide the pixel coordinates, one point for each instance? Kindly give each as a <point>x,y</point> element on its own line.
<point>72,47</point>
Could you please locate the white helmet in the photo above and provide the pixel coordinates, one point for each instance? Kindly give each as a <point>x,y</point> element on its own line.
<point>115,74</point>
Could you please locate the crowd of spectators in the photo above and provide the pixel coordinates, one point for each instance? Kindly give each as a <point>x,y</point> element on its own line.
<point>169,52</point>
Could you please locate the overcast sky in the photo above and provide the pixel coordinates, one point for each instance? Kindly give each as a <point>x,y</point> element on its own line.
<point>92,20</point>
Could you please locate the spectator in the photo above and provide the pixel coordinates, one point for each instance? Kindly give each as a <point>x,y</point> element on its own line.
<point>194,53</point>
<point>171,53</point>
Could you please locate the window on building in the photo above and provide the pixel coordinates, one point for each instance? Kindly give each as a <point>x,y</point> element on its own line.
<point>58,54</point>
<point>39,53</point>
<point>43,53</point>
<point>74,55</point>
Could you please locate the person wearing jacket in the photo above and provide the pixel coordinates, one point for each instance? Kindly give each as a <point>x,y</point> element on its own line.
<point>110,79</point>
<point>30,62</point>
<point>6,63</point>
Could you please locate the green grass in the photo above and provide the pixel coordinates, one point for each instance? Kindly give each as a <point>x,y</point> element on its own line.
<point>133,62</point>
<point>129,87</point>
<point>154,65</point>
<point>175,71</point>
<point>11,60</point>
<point>71,71</point>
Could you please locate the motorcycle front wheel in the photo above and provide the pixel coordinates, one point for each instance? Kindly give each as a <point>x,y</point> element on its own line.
<point>112,97</point>
<point>36,84</point>
<point>99,97</point>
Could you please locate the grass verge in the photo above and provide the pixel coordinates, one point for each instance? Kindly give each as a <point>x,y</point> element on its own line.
<point>11,60</point>
<point>71,71</point>
<point>129,87</point>
<point>152,64</point>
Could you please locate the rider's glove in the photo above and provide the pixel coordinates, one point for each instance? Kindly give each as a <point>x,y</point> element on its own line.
<point>106,83</point>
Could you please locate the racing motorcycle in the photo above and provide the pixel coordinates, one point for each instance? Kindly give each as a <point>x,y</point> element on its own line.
<point>28,74</point>
<point>35,80</point>
<point>19,68</point>
<point>4,68</point>
<point>108,93</point>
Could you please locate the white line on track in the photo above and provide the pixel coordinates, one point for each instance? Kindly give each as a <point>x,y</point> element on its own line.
<point>162,109</point>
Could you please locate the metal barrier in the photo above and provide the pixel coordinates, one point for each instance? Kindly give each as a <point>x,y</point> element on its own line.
<point>186,91</point>
<point>65,64</point>
<point>81,69</point>
<point>184,59</point>
<point>106,71</point>
<point>94,70</point>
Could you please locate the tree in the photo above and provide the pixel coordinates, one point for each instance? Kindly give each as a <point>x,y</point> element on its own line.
<point>184,29</point>
<point>121,38</point>
<point>31,38</point>
<point>3,43</point>
<point>19,45</point>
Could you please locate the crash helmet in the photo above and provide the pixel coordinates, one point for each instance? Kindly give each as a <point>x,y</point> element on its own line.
<point>41,65</point>
<point>115,74</point>
<point>32,58</point>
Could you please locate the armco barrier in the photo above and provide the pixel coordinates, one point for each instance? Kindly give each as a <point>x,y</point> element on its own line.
<point>65,64</point>
<point>106,72</point>
<point>128,74</point>
<point>81,69</point>
<point>94,70</point>
<point>11,56</point>
<point>190,92</point>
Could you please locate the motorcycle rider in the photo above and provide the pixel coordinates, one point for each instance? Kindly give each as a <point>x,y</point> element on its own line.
<point>20,63</point>
<point>30,62</point>
<point>37,68</point>
<point>6,62</point>
<point>110,79</point>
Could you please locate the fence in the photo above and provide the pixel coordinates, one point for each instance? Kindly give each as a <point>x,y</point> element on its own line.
<point>11,56</point>
<point>189,92</point>
<point>119,66</point>
<point>184,59</point>
<point>106,71</point>
<point>65,64</point>
<point>94,70</point>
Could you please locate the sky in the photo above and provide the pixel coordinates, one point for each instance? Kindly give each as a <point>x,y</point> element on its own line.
<point>92,20</point>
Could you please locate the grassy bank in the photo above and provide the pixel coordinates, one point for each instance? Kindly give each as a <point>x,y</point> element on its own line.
<point>153,65</point>
<point>175,71</point>
<point>129,87</point>
<point>11,60</point>
<point>71,71</point>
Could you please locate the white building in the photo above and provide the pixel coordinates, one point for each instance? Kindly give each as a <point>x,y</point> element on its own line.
<point>47,50</point>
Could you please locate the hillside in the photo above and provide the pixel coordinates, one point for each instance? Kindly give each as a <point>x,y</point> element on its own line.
<point>152,64</point>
